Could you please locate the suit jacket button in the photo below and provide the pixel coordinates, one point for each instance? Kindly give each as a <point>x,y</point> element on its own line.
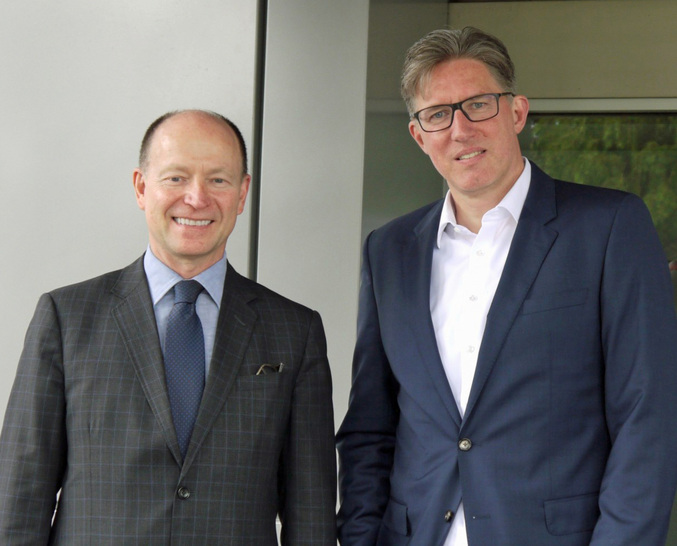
<point>183,493</point>
<point>448,516</point>
<point>465,444</point>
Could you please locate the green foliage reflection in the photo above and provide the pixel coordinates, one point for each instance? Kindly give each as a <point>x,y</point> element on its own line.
<point>631,152</point>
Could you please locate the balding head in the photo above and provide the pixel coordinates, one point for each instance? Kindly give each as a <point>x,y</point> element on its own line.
<point>152,128</point>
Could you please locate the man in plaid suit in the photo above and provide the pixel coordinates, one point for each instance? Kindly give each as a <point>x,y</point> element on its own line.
<point>89,421</point>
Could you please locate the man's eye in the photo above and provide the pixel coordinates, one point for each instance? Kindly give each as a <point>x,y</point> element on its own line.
<point>175,179</point>
<point>219,180</point>
<point>478,105</point>
<point>437,115</point>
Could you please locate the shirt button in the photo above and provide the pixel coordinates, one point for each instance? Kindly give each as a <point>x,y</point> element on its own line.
<point>471,348</point>
<point>473,298</point>
<point>480,253</point>
<point>465,444</point>
<point>183,493</point>
<point>448,516</point>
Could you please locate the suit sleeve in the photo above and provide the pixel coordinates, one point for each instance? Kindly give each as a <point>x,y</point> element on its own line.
<point>33,442</point>
<point>366,438</point>
<point>308,467</point>
<point>639,335</point>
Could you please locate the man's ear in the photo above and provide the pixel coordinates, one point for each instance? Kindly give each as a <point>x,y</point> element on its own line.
<point>139,188</point>
<point>520,110</point>
<point>416,133</point>
<point>244,189</point>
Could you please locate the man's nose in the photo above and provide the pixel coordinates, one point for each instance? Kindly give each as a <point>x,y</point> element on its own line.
<point>196,194</point>
<point>461,126</point>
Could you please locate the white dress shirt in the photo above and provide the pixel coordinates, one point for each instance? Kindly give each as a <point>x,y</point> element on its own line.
<point>466,268</point>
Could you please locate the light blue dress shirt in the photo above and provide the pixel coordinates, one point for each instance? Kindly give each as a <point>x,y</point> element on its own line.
<point>161,281</point>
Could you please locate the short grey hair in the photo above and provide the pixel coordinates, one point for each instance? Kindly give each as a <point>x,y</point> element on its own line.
<point>443,45</point>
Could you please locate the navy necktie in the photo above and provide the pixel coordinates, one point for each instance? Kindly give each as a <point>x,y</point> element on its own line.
<point>185,360</point>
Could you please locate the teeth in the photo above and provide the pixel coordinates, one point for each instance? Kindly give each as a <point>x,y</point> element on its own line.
<point>468,156</point>
<point>189,222</point>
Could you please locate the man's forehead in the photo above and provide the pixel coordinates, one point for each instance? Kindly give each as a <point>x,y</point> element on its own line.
<point>168,155</point>
<point>470,77</point>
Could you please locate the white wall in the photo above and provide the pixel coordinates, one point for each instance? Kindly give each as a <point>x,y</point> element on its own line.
<point>80,83</point>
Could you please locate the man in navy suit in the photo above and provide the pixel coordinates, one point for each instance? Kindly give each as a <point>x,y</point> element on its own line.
<point>515,373</point>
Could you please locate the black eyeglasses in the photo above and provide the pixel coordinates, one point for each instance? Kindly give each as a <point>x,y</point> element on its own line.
<point>441,116</point>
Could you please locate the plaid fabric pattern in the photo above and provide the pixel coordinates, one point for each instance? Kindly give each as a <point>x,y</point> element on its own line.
<point>89,416</point>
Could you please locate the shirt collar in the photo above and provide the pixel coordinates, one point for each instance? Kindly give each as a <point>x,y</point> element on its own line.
<point>512,202</point>
<point>161,278</point>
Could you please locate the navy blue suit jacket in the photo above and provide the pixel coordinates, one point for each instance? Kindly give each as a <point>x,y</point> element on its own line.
<point>569,436</point>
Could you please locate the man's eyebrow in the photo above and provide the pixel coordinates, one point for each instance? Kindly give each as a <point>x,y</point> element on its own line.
<point>172,168</point>
<point>178,167</point>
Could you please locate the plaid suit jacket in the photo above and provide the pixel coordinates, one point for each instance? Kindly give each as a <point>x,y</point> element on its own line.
<point>89,416</point>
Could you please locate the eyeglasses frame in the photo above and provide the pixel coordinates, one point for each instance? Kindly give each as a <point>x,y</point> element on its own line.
<point>458,106</point>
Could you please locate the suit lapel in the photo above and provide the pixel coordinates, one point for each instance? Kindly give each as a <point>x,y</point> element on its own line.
<point>136,322</point>
<point>233,332</point>
<point>417,266</point>
<point>530,245</point>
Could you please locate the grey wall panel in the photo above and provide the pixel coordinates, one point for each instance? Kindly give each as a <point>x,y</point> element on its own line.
<point>312,165</point>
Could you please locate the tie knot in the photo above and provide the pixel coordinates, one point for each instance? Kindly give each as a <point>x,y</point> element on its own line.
<point>187,291</point>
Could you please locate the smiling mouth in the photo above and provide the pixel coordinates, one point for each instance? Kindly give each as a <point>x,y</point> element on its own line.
<point>470,155</point>
<point>189,222</point>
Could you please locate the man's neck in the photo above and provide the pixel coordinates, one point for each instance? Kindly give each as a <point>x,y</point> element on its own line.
<point>188,267</point>
<point>470,207</point>
<point>470,210</point>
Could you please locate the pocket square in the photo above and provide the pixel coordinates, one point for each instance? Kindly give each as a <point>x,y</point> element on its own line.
<point>270,368</point>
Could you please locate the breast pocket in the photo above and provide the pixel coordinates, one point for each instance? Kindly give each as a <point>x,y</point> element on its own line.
<point>555,300</point>
<point>254,382</point>
<point>257,405</point>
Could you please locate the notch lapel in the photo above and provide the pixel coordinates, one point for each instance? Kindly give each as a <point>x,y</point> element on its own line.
<point>136,322</point>
<point>529,247</point>
<point>233,333</point>
<point>416,267</point>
